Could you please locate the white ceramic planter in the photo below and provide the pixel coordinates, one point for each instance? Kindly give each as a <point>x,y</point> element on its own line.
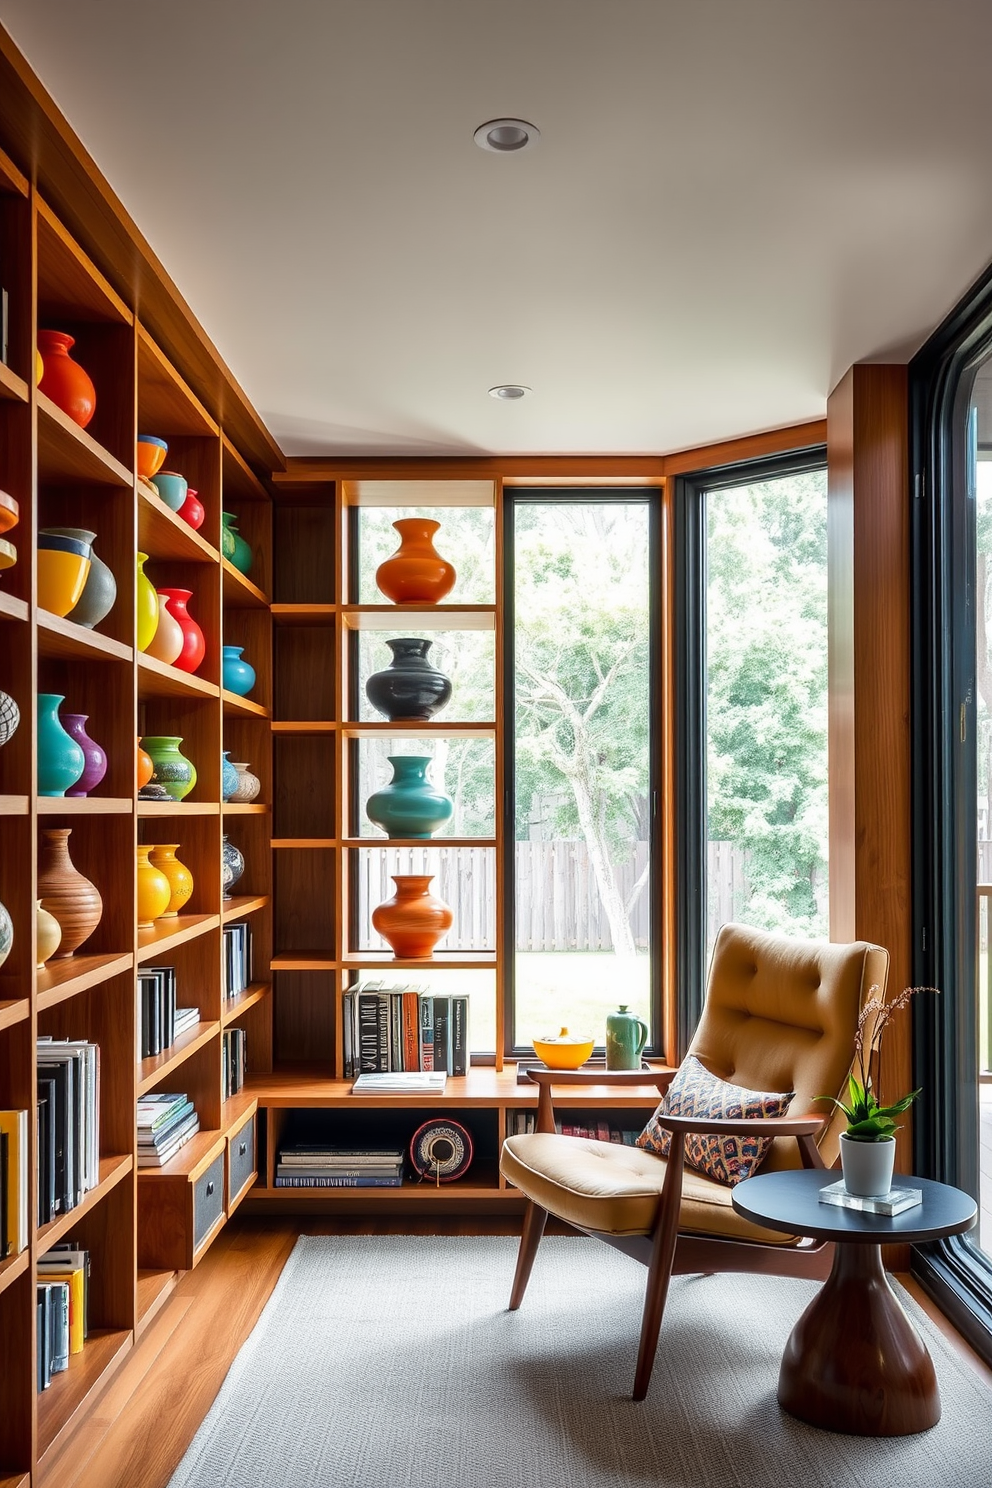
<point>867,1166</point>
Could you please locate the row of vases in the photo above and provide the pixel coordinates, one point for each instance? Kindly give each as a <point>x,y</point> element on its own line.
<point>238,785</point>
<point>72,580</point>
<point>164,884</point>
<point>70,763</point>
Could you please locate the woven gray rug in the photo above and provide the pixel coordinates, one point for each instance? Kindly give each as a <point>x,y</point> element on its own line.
<point>391,1362</point>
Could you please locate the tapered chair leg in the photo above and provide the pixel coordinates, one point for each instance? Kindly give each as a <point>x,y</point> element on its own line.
<point>534,1221</point>
<point>660,1271</point>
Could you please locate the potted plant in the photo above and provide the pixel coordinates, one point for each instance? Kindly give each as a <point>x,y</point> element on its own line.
<point>868,1147</point>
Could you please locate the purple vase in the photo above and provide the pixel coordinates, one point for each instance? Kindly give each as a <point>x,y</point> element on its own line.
<point>96,760</point>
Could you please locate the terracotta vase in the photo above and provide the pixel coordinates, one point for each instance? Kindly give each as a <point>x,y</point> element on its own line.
<point>167,642</point>
<point>64,381</point>
<point>180,879</point>
<point>65,892</point>
<point>48,935</point>
<point>144,765</point>
<point>146,606</point>
<point>414,920</point>
<point>95,767</point>
<point>194,645</point>
<point>154,891</point>
<point>416,573</point>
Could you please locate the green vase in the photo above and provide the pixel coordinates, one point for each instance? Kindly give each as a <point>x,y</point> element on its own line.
<point>626,1035</point>
<point>409,806</point>
<point>173,771</point>
<point>232,545</point>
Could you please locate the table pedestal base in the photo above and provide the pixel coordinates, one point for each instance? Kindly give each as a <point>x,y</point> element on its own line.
<point>854,1362</point>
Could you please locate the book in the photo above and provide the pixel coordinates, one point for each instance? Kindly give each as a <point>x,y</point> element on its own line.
<point>14,1233</point>
<point>397,1081</point>
<point>70,1256</point>
<point>442,1047</point>
<point>459,1036</point>
<point>896,1201</point>
<point>427,1032</point>
<point>336,1181</point>
<point>74,1278</point>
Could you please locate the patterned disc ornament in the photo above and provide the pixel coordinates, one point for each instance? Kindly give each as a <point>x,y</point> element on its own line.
<point>441,1150</point>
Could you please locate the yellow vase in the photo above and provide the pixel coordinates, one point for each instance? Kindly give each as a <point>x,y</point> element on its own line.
<point>179,878</point>
<point>49,935</point>
<point>154,891</point>
<point>146,606</point>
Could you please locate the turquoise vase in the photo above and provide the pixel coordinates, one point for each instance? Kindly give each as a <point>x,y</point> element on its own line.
<point>173,771</point>
<point>409,806</point>
<point>229,778</point>
<point>236,675</point>
<point>61,762</point>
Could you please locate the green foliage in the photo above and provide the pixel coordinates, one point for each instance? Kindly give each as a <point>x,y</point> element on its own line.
<point>867,1121</point>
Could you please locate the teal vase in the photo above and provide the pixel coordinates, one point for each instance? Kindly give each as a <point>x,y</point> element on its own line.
<point>237,675</point>
<point>626,1035</point>
<point>233,546</point>
<point>61,762</point>
<point>173,771</point>
<point>409,806</point>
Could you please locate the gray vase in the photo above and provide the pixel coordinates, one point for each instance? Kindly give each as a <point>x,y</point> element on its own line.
<point>232,866</point>
<point>100,590</point>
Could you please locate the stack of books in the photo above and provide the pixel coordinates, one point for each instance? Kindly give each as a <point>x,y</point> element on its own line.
<point>237,958</point>
<point>67,1268</point>
<point>314,1165</point>
<point>165,1124</point>
<point>13,1182</point>
<point>404,1028</point>
<point>160,1021</point>
<point>235,1060</point>
<point>68,1124</point>
<point>53,1307</point>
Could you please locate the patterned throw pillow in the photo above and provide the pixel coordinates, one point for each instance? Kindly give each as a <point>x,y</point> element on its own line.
<point>695,1092</point>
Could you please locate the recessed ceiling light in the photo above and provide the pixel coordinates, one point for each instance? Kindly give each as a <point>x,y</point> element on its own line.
<point>506,136</point>
<point>509,390</point>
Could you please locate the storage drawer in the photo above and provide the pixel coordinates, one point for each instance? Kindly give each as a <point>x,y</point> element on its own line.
<point>208,1200</point>
<point>240,1161</point>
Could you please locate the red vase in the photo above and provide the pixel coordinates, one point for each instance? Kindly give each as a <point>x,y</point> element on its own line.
<point>64,381</point>
<point>414,920</point>
<point>194,646</point>
<point>192,510</point>
<point>416,573</point>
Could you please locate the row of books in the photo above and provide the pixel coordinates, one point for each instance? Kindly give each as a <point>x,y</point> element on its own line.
<point>237,958</point>
<point>165,1124</point>
<point>235,1060</point>
<point>404,1028</point>
<point>68,1124</point>
<point>314,1165</point>
<point>62,1299</point>
<point>13,1182</point>
<point>160,1021</point>
<point>519,1122</point>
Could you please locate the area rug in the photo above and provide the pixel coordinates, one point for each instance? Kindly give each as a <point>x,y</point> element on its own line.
<point>391,1362</point>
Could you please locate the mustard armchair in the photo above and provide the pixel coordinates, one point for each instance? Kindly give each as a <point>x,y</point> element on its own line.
<point>780,1014</point>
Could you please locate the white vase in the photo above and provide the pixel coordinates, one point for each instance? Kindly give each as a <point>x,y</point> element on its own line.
<point>167,642</point>
<point>249,785</point>
<point>867,1166</point>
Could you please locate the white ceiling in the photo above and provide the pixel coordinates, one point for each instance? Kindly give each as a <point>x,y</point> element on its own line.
<point>732,201</point>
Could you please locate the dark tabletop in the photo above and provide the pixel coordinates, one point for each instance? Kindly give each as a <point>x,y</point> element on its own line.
<point>788,1201</point>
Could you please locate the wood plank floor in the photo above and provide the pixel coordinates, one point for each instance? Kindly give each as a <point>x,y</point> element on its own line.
<point>142,1425</point>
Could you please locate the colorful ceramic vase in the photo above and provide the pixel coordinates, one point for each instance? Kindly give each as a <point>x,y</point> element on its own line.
<point>233,545</point>
<point>95,767</point>
<point>228,777</point>
<point>154,892</point>
<point>409,688</point>
<point>227,535</point>
<point>100,589</point>
<point>249,785</point>
<point>236,675</point>
<point>6,934</point>
<point>179,878</point>
<point>64,381</point>
<point>61,762</point>
<point>414,919</point>
<point>144,766</point>
<point>65,892</point>
<point>172,488</point>
<point>172,769</point>
<point>63,568</point>
<point>194,646</point>
<point>167,642</point>
<point>626,1035</point>
<point>151,452</point>
<point>48,935</point>
<point>10,511</point>
<point>232,866</point>
<point>409,806</point>
<point>146,606</point>
<point>192,510</point>
<point>10,717</point>
<point>416,573</point>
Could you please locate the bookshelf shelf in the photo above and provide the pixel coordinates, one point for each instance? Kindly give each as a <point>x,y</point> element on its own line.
<point>404,842</point>
<point>167,935</point>
<point>242,707</point>
<point>12,1268</point>
<point>244,808</point>
<point>178,810</point>
<point>236,1110</point>
<point>166,537</point>
<point>71,1393</point>
<point>235,1006</point>
<point>15,805</point>
<point>304,614</point>
<point>154,1289</point>
<point>419,730</point>
<point>12,608</point>
<point>84,806</point>
<point>15,1480</point>
<point>304,726</point>
<point>62,979</point>
<point>154,1070</point>
<point>191,1159</point>
<point>164,400</point>
<point>304,842</point>
<point>112,1171</point>
<point>14,1011</point>
<point>245,904</point>
<point>156,679</point>
<point>424,616</point>
<point>67,455</point>
<point>12,387</point>
<point>64,638</point>
<point>239,591</point>
<point>383,960</point>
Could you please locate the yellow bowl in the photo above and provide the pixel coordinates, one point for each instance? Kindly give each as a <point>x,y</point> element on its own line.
<point>567,1051</point>
<point>61,580</point>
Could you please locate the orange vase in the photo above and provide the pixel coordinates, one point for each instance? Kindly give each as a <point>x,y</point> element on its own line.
<point>180,879</point>
<point>144,765</point>
<point>64,381</point>
<point>65,892</point>
<point>416,573</point>
<point>414,920</point>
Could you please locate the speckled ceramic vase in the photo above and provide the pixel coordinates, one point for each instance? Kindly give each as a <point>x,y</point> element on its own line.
<point>249,784</point>
<point>172,769</point>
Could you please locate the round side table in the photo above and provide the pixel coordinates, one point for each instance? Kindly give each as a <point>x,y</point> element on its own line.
<point>854,1361</point>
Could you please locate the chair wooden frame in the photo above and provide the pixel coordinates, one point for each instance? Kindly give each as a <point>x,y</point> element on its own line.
<point>666,1251</point>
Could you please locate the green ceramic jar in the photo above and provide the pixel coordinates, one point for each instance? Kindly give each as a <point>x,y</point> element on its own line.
<point>173,770</point>
<point>626,1035</point>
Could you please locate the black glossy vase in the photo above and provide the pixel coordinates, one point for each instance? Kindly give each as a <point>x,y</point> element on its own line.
<point>409,689</point>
